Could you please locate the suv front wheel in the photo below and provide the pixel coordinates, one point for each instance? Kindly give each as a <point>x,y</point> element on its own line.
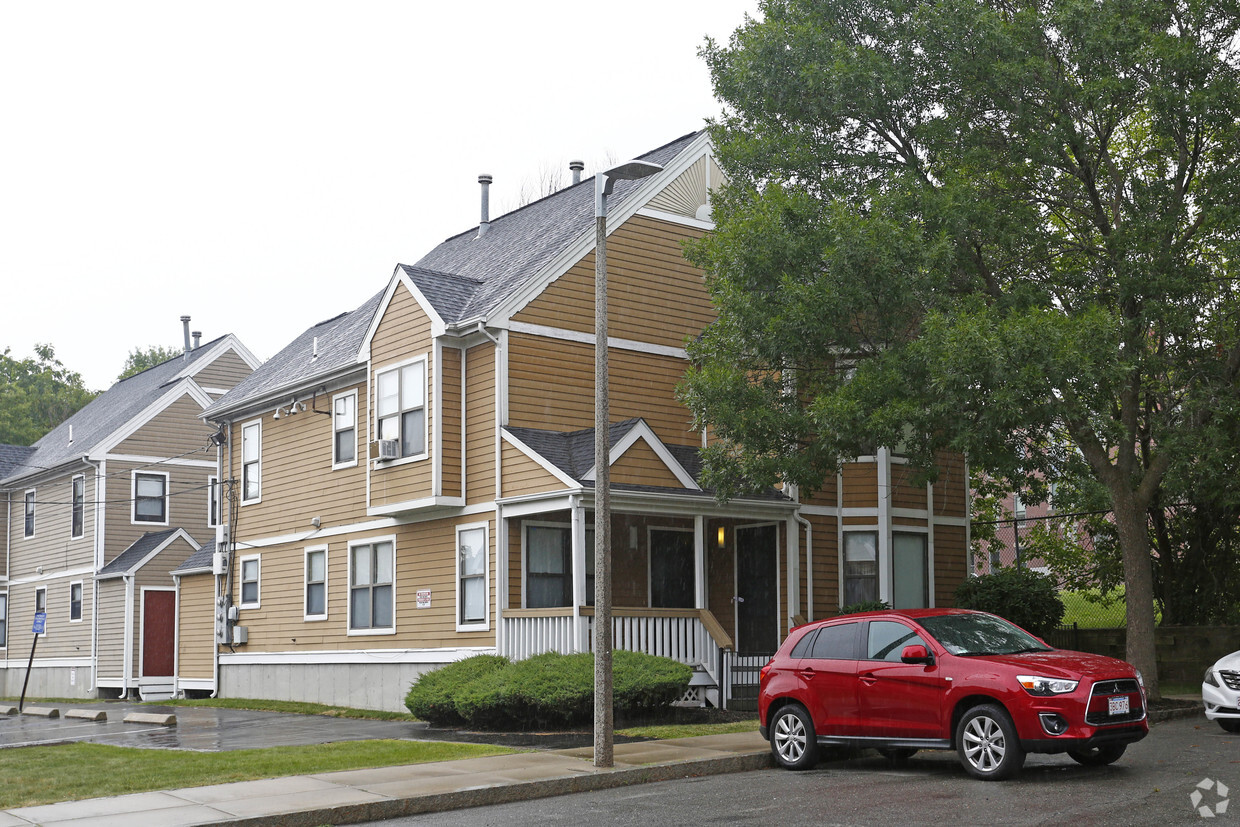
<point>988,744</point>
<point>793,742</point>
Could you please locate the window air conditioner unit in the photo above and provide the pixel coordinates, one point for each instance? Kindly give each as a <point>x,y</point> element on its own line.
<point>388,449</point>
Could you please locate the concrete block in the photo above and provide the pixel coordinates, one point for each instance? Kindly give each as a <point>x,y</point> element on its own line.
<point>41,711</point>
<point>87,714</point>
<point>8,710</point>
<point>158,719</point>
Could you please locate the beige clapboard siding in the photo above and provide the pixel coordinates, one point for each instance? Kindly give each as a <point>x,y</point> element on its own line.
<point>522,475</point>
<point>825,565</point>
<point>860,485</point>
<point>551,386</point>
<point>172,432</point>
<point>187,504</point>
<point>63,639</point>
<point>904,493</point>
<point>298,482</point>
<point>227,370</point>
<point>644,259</point>
<point>196,627</point>
<point>52,545</point>
<point>425,559</point>
<point>451,473</point>
<point>640,465</point>
<point>111,653</point>
<point>404,330</point>
<point>950,562</point>
<point>480,431</point>
<point>951,490</point>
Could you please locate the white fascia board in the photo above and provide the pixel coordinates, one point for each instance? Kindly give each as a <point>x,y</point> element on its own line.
<point>538,458</point>
<point>643,431</point>
<point>584,243</point>
<point>674,218</point>
<point>180,532</point>
<point>184,387</point>
<point>271,399</point>
<point>229,342</point>
<point>399,277</point>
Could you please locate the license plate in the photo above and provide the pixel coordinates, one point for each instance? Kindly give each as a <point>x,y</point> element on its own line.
<point>1117,705</point>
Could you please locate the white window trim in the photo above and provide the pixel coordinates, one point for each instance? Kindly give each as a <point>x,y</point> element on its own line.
<point>81,601</point>
<point>4,617</point>
<point>525,565</point>
<point>305,578</point>
<point>213,495</point>
<point>241,470</point>
<point>133,505</point>
<point>880,570</point>
<point>357,430</point>
<point>34,515</point>
<point>426,408</point>
<point>37,591</point>
<point>348,583</point>
<point>258,581</point>
<point>72,504</point>
<point>484,624</point>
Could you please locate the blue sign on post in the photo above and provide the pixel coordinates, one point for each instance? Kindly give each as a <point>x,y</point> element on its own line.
<point>40,623</point>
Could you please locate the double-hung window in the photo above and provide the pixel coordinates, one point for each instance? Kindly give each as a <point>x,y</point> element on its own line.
<point>344,430</point>
<point>316,583</point>
<point>860,567</point>
<point>400,407</point>
<point>4,620</point>
<point>150,497</point>
<point>29,528</point>
<point>471,573</point>
<point>75,601</point>
<point>371,579</point>
<point>79,506</point>
<point>251,461</point>
<point>250,570</point>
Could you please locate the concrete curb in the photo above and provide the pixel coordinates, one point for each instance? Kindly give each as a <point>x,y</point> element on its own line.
<point>1157,716</point>
<point>506,793</point>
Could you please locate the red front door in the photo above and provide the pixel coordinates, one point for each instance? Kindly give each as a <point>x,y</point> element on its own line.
<point>158,637</point>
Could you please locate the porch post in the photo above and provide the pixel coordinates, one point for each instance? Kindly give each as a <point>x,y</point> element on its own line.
<point>699,561</point>
<point>578,543</point>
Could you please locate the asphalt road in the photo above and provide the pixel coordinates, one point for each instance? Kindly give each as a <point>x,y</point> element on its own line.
<point>1151,785</point>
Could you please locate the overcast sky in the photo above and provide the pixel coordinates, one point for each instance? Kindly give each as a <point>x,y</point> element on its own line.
<point>262,166</point>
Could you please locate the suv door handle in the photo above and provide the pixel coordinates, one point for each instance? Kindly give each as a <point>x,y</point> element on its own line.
<point>868,679</point>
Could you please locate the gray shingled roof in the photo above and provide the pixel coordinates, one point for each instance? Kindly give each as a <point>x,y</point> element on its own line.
<point>132,556</point>
<point>12,457</point>
<point>519,245</point>
<point>200,559</point>
<point>102,417</point>
<point>340,338</point>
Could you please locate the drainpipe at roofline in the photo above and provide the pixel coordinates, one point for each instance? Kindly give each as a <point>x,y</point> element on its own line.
<point>809,564</point>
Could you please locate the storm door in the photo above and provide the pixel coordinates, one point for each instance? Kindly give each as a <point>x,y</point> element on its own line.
<point>757,595</point>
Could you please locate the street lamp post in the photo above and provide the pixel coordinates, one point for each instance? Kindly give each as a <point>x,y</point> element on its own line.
<point>603,716</point>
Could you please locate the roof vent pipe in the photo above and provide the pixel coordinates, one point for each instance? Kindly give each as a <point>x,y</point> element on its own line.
<point>576,167</point>
<point>485,223</point>
<point>185,325</point>
<point>197,338</point>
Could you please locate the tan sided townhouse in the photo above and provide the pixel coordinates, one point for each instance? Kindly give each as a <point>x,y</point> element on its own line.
<point>412,482</point>
<point>96,515</point>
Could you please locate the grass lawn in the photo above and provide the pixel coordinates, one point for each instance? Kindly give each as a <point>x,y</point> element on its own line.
<point>67,772</point>
<point>665,731</point>
<point>1087,614</point>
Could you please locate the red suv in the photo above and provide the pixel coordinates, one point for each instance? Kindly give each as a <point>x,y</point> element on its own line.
<point>901,681</point>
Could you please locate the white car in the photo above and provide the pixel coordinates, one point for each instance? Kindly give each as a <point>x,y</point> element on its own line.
<point>1220,689</point>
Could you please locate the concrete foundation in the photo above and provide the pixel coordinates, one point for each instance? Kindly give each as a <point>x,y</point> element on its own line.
<point>47,681</point>
<point>364,686</point>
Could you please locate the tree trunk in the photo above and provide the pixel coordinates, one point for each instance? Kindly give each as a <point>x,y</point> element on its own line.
<point>1134,542</point>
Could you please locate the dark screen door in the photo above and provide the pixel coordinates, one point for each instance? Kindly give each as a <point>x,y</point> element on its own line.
<point>757,605</point>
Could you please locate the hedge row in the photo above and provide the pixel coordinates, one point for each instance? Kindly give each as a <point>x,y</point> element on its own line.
<point>546,691</point>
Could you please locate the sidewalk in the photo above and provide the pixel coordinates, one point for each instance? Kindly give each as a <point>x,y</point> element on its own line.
<point>385,792</point>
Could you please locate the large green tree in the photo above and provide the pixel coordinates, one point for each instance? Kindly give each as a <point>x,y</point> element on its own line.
<point>1005,228</point>
<point>139,359</point>
<point>37,394</point>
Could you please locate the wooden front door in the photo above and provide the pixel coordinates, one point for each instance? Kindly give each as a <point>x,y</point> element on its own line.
<point>757,598</point>
<point>158,636</point>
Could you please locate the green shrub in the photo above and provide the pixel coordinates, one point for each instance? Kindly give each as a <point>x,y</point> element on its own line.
<point>865,606</point>
<point>1023,596</point>
<point>645,684</point>
<point>433,695</point>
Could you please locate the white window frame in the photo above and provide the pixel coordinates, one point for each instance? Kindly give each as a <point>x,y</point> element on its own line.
<point>484,624</point>
<point>383,630</point>
<point>878,566</point>
<point>399,367</point>
<point>40,599</point>
<point>133,510</point>
<point>256,603</point>
<point>81,600</point>
<point>4,620</point>
<point>306,583</point>
<point>213,501</point>
<point>77,509</point>
<point>257,498</point>
<point>29,513</point>
<point>336,463</point>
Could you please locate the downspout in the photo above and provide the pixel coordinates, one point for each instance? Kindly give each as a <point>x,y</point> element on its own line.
<point>94,585</point>
<point>127,650</point>
<point>809,564</point>
<point>8,543</point>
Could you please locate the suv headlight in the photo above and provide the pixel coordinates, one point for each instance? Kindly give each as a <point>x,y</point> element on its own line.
<point>1039,685</point>
<point>1209,678</point>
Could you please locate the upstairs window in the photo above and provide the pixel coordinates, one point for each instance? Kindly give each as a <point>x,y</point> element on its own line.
<point>249,582</point>
<point>75,601</point>
<point>79,506</point>
<point>344,430</point>
<point>251,462</point>
<point>150,498</point>
<point>29,530</point>
<point>4,619</point>
<point>400,407</point>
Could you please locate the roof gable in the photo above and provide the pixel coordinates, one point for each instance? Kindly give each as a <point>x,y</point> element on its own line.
<point>143,550</point>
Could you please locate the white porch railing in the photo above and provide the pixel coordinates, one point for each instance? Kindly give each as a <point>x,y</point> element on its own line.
<point>691,636</point>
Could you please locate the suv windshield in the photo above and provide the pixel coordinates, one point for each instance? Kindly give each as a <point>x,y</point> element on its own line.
<point>980,634</point>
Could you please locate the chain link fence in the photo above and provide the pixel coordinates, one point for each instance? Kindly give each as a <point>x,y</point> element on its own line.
<point>1000,544</point>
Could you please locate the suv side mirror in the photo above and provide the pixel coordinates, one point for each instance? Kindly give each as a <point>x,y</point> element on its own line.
<point>916,654</point>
